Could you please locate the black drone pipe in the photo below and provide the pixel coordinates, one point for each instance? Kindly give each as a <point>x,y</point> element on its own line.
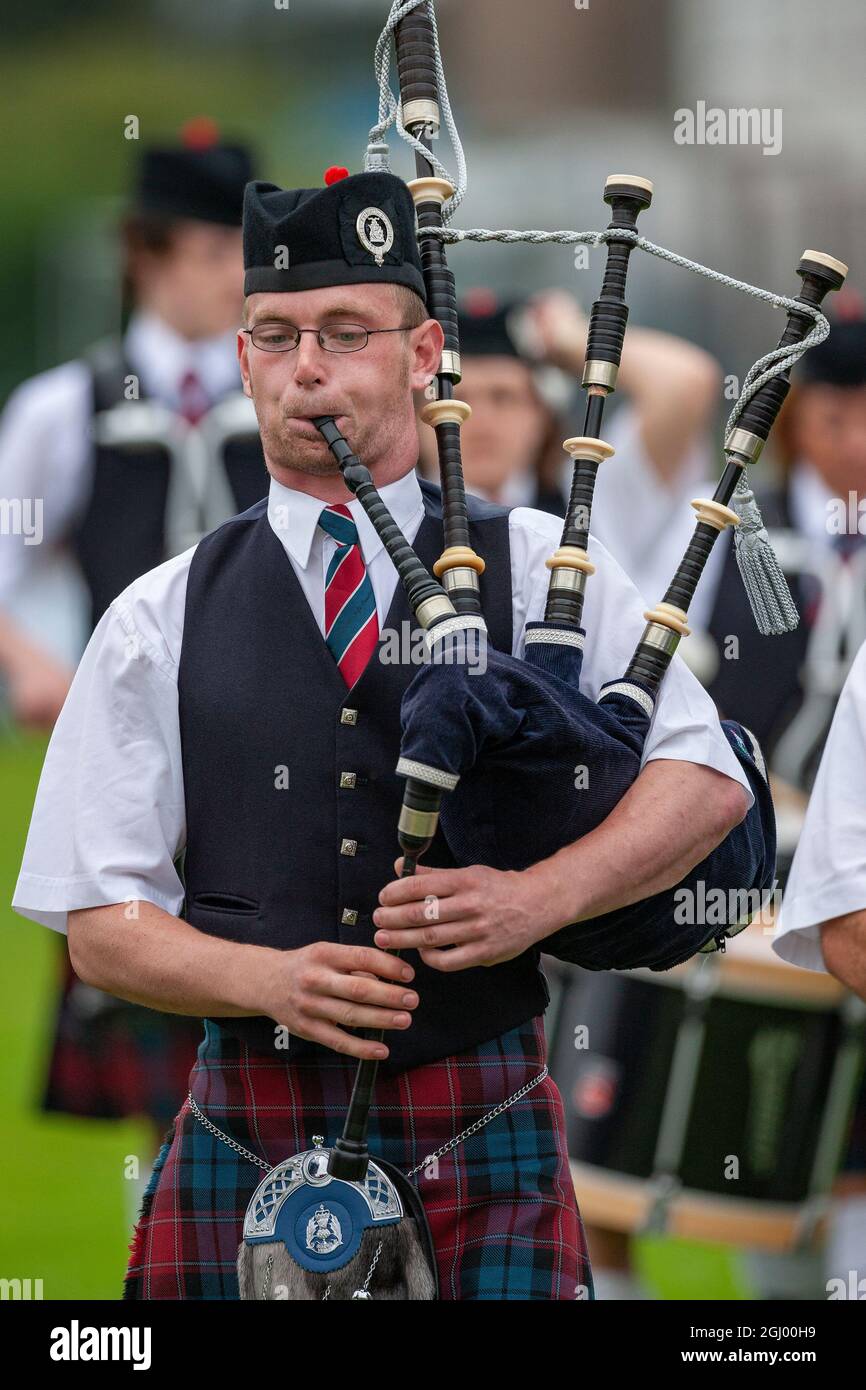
<point>666,623</point>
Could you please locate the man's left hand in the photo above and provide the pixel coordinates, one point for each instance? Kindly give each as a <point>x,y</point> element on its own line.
<point>460,918</point>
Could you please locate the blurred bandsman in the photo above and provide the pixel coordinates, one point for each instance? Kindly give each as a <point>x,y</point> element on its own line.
<point>823,926</point>
<point>521,362</point>
<point>784,688</point>
<point>134,448</point>
<point>512,441</point>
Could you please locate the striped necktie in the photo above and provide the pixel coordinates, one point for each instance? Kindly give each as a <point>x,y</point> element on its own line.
<point>351,621</point>
<point>193,398</point>
<point>846,547</point>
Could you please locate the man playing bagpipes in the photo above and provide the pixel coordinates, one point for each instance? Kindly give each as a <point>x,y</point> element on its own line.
<point>240,704</point>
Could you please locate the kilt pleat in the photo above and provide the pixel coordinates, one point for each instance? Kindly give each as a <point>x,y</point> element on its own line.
<point>501,1206</point>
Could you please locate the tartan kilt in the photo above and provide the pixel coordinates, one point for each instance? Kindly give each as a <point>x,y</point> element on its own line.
<point>501,1205</point>
<point>110,1059</point>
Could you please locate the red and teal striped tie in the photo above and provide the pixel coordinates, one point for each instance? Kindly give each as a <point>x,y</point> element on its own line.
<point>351,621</point>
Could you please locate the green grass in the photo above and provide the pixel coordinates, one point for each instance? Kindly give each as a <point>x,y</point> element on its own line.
<point>684,1269</point>
<point>63,1194</point>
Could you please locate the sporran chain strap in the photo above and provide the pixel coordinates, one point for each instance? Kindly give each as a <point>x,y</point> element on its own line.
<point>439,1153</point>
<point>363,1292</point>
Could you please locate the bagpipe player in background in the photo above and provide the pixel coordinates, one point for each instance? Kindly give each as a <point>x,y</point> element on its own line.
<point>104,440</point>
<point>823,915</point>
<point>260,717</point>
<point>521,362</point>
<point>822,926</point>
<point>808,502</point>
<point>518,361</point>
<point>96,437</point>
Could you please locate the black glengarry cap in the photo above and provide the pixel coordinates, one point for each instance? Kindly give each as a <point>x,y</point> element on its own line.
<point>485,325</point>
<point>359,229</point>
<point>199,177</point>
<point>839,361</point>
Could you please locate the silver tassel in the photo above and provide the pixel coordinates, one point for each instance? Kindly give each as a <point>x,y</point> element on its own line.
<point>377,157</point>
<point>773,608</point>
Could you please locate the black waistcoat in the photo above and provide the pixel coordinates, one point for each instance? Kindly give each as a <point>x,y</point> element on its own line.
<point>761,687</point>
<point>261,702</point>
<point>121,532</point>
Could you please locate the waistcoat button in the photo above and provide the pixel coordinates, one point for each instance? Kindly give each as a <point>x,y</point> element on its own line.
<point>348,846</point>
<point>348,716</point>
<point>348,779</point>
<point>349,917</point>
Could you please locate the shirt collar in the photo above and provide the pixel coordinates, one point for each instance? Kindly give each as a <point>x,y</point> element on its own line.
<point>161,358</point>
<point>809,497</point>
<point>294,516</point>
<point>518,490</point>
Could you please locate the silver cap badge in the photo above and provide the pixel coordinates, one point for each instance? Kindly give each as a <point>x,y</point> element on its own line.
<point>375,233</point>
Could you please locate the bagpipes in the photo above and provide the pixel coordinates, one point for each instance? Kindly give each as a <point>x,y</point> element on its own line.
<point>503,736</point>
<point>489,746</point>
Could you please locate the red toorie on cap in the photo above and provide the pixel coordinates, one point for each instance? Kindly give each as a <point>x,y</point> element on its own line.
<point>201,133</point>
<point>479,302</point>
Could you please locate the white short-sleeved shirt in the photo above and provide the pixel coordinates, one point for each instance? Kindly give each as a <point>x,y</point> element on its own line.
<point>109,818</point>
<point>644,522</point>
<point>647,523</point>
<point>45,459</point>
<point>828,874</point>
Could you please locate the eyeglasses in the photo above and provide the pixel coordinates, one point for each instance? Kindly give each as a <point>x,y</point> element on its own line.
<point>334,337</point>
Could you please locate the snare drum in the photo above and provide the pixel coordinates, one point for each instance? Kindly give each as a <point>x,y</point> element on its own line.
<point>711,1101</point>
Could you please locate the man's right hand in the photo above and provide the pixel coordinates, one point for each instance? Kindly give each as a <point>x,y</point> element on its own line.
<point>319,991</point>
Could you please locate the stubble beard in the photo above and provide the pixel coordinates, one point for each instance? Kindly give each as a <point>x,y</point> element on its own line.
<point>371,441</point>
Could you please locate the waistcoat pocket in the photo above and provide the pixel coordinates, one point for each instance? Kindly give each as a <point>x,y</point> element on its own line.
<point>224,902</point>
